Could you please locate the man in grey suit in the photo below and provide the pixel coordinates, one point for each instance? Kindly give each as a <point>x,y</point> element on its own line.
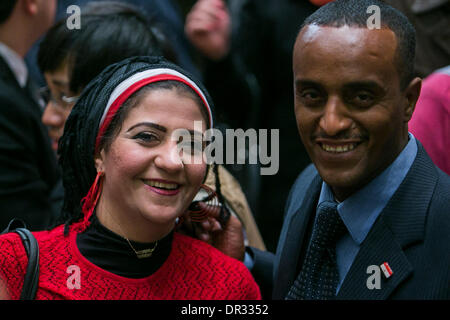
<point>370,219</point>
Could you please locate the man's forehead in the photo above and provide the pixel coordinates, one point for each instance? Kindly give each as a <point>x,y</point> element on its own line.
<point>344,43</point>
<point>346,35</point>
<point>350,54</point>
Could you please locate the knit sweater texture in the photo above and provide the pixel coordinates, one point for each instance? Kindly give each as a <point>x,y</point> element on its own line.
<point>194,270</point>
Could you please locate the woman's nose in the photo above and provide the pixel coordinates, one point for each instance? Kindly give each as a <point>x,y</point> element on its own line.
<point>169,158</point>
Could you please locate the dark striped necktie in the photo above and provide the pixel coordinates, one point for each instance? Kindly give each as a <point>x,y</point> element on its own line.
<point>318,277</point>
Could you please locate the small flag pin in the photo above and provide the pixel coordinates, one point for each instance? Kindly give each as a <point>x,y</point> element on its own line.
<point>386,270</point>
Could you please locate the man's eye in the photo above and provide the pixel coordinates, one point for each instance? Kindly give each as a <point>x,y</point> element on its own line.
<point>363,99</point>
<point>309,97</point>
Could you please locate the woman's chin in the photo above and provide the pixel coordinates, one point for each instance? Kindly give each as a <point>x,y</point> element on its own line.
<point>162,215</point>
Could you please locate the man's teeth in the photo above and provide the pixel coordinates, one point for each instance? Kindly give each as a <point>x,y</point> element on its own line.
<point>170,186</point>
<point>338,149</point>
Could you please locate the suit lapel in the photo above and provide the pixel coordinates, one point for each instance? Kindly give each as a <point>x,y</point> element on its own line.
<point>297,227</point>
<point>379,247</point>
<point>400,224</point>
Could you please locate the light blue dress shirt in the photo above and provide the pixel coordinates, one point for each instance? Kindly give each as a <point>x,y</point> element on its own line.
<point>360,210</point>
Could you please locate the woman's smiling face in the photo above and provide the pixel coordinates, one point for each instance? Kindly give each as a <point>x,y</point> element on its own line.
<point>145,177</point>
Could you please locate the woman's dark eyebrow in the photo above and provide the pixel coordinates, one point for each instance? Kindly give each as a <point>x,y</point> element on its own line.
<point>148,124</point>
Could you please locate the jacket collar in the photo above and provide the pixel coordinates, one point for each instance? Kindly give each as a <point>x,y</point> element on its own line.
<point>15,63</point>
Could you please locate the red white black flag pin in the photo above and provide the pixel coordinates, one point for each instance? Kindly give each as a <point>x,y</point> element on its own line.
<point>386,270</point>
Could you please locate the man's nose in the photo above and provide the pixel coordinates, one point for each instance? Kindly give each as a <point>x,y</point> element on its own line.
<point>335,117</point>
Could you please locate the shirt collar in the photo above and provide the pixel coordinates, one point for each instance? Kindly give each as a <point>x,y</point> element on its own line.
<point>15,63</point>
<point>360,210</point>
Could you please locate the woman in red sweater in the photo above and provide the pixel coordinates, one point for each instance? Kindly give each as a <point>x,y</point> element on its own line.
<point>126,184</point>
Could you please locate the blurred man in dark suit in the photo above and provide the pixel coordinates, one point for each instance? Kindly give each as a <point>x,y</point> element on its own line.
<point>28,169</point>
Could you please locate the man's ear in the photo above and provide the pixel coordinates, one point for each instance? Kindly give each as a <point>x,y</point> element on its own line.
<point>99,162</point>
<point>411,95</point>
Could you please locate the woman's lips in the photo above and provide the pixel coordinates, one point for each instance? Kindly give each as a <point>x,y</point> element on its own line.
<point>162,187</point>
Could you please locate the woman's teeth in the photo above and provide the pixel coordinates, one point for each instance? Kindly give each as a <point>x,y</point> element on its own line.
<point>162,185</point>
<point>338,149</point>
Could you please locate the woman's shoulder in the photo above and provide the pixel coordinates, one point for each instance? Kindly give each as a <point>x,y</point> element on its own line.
<point>14,260</point>
<point>218,268</point>
<point>49,237</point>
<point>12,250</point>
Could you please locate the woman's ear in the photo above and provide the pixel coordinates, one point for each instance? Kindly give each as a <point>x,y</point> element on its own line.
<point>412,93</point>
<point>99,162</point>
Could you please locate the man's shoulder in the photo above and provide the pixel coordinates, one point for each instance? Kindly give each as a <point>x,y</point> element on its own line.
<point>302,185</point>
<point>440,201</point>
<point>304,179</point>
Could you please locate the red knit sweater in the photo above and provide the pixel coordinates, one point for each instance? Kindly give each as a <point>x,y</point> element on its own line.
<point>193,270</point>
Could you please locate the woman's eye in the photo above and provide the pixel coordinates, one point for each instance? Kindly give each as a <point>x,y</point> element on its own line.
<point>145,137</point>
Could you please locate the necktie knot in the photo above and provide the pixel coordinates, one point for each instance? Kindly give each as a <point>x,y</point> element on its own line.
<point>329,226</point>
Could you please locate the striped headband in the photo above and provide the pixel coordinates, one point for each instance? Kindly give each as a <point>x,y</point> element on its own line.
<point>132,84</point>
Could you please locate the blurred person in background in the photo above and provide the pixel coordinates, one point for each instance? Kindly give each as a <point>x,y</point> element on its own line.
<point>431,19</point>
<point>29,173</point>
<point>430,122</point>
<point>70,59</point>
<point>162,14</point>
